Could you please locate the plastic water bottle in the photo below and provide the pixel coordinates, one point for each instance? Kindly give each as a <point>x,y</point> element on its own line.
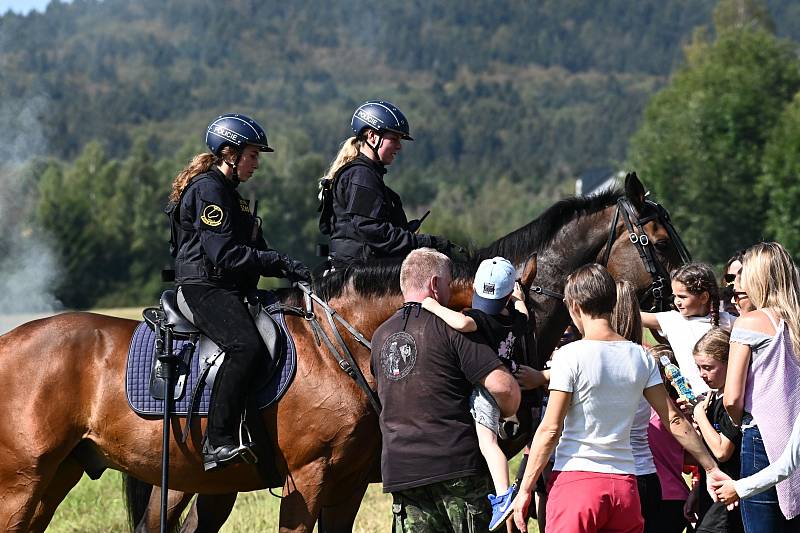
<point>675,377</point>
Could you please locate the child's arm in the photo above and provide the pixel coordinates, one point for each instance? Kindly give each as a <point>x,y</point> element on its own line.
<point>519,299</point>
<point>719,444</point>
<point>454,319</point>
<point>649,320</point>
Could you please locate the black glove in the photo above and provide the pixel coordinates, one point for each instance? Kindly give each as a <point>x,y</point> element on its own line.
<point>440,244</point>
<point>296,271</point>
<point>413,225</point>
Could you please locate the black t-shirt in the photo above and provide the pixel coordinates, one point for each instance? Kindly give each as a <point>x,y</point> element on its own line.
<point>503,333</point>
<point>425,372</point>
<point>717,519</point>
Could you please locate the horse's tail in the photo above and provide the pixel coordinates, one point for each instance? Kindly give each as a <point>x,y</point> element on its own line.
<point>137,497</point>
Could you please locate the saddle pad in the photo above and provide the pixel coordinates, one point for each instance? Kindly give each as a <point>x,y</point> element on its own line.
<point>140,360</point>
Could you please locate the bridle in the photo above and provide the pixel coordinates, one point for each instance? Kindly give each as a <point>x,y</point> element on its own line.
<point>659,289</point>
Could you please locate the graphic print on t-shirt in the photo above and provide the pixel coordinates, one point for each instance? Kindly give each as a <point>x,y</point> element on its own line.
<point>398,355</point>
<point>506,349</point>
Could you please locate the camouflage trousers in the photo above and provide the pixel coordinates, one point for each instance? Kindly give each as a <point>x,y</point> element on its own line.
<point>457,505</point>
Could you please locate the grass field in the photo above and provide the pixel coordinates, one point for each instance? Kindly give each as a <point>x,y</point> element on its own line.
<point>98,506</point>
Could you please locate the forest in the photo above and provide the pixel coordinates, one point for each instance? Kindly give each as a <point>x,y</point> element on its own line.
<point>104,101</point>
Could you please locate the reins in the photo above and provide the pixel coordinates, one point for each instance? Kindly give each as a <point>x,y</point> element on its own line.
<point>344,357</point>
<point>638,237</point>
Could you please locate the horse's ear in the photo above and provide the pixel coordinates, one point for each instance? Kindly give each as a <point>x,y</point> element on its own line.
<point>634,190</point>
<point>528,273</point>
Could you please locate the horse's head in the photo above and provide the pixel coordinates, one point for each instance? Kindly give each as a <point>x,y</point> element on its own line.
<point>643,246</point>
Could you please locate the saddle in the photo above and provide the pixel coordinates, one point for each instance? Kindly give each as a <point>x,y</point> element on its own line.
<point>178,317</point>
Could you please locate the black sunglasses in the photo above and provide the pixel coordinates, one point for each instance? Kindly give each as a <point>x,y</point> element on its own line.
<point>729,278</point>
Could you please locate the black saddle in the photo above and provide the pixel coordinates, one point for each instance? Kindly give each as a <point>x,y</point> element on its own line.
<point>174,314</point>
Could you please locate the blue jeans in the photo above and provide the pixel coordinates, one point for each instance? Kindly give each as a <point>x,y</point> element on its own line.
<point>760,513</point>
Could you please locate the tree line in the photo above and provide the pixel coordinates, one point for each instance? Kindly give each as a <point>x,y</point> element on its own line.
<point>501,129</point>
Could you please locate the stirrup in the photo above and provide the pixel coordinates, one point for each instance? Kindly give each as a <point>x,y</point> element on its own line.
<point>246,445</point>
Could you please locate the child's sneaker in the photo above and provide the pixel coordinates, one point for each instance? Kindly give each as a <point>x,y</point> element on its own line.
<point>502,507</point>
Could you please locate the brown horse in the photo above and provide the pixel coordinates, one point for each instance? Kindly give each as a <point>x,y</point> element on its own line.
<point>64,391</point>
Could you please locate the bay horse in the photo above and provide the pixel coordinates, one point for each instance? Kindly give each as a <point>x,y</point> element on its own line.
<point>64,388</point>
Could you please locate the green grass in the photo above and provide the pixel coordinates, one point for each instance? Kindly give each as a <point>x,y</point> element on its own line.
<point>99,507</point>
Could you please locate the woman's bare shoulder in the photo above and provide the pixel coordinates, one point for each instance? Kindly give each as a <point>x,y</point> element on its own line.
<point>755,321</point>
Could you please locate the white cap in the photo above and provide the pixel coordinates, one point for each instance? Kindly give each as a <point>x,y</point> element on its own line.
<point>494,281</point>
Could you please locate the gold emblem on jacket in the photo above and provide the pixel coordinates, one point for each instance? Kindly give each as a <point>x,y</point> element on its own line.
<point>212,215</point>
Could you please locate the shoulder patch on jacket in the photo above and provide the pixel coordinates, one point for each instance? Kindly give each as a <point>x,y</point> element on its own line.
<point>212,215</point>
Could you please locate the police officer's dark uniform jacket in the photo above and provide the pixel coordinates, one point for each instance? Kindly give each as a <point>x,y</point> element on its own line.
<point>219,256</point>
<point>366,216</point>
<point>212,233</point>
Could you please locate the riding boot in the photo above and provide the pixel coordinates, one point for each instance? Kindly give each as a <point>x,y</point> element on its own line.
<point>224,318</point>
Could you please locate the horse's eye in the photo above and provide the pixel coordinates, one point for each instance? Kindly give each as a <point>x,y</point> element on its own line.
<point>662,245</point>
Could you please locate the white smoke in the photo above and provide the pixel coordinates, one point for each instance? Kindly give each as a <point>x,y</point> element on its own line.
<point>28,266</point>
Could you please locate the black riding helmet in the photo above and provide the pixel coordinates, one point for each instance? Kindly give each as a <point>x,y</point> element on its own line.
<point>233,129</point>
<point>382,117</point>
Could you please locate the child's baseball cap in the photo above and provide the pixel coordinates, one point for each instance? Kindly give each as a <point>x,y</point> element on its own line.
<point>494,281</point>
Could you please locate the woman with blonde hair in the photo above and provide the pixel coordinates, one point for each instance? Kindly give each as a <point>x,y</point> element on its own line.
<point>361,215</point>
<point>761,382</point>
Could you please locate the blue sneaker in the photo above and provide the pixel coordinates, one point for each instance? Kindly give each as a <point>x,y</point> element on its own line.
<point>502,507</point>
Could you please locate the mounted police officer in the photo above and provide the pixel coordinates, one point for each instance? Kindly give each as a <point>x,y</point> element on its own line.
<point>220,254</point>
<point>362,216</point>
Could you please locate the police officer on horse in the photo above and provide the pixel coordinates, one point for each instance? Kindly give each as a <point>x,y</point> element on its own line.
<point>362,216</point>
<point>220,254</point>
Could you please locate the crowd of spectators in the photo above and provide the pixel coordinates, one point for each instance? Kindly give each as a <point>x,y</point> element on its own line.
<point>697,430</point>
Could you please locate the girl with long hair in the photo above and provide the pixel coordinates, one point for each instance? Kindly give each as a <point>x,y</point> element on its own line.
<point>696,295</point>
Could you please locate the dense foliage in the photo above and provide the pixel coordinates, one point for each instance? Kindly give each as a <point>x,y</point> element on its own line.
<point>709,136</point>
<point>508,100</point>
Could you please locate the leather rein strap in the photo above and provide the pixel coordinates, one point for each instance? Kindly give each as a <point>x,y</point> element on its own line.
<point>344,357</point>
<point>639,238</point>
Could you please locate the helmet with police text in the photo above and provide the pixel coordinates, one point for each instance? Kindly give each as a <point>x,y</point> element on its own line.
<point>235,130</point>
<point>382,117</point>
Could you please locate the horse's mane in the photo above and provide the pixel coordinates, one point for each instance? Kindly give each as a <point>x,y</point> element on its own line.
<point>382,277</point>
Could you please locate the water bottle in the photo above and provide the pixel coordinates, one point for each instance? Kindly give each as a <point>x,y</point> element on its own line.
<point>675,377</point>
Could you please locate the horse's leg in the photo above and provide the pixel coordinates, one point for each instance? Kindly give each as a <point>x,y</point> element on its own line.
<point>342,515</point>
<point>67,476</point>
<point>208,513</point>
<point>176,503</point>
<point>301,497</point>
<point>24,479</point>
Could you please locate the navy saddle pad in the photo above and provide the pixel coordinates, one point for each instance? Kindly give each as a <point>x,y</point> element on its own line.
<point>140,362</point>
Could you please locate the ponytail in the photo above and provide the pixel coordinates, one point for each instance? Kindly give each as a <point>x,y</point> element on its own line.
<point>714,310</point>
<point>198,165</point>
<point>348,151</point>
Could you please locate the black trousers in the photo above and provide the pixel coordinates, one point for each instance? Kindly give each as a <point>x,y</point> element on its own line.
<point>223,316</point>
<point>650,500</point>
